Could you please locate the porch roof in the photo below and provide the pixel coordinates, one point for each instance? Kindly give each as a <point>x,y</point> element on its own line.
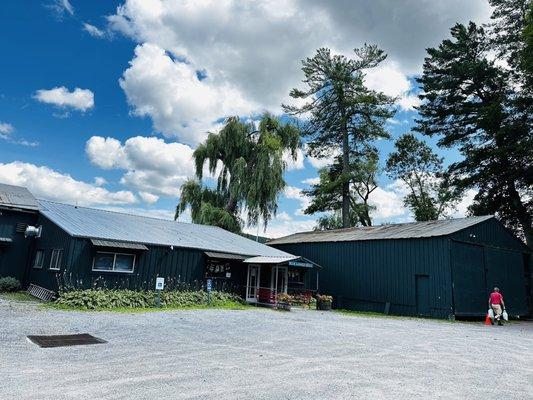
<point>294,261</point>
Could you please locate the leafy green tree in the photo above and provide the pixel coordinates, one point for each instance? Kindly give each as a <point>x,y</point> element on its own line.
<point>343,113</point>
<point>471,102</point>
<point>414,163</point>
<point>326,196</point>
<point>250,166</point>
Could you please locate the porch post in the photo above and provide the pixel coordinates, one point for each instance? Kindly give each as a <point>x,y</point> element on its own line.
<point>276,287</point>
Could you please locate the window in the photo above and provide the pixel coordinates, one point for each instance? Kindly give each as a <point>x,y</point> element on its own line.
<point>39,259</point>
<point>113,262</point>
<point>55,259</point>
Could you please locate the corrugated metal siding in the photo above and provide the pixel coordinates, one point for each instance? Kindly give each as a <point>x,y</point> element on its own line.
<point>491,233</point>
<point>14,255</point>
<point>181,268</point>
<point>52,237</point>
<point>367,275</point>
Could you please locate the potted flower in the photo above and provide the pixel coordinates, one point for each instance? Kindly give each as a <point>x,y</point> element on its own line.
<point>323,302</point>
<point>284,301</point>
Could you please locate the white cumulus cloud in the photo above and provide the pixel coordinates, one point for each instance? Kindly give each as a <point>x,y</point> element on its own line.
<point>47,183</point>
<point>251,52</point>
<point>152,166</point>
<point>172,94</point>
<point>79,99</point>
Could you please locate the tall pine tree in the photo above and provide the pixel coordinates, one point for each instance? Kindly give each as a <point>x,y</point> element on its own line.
<point>478,104</point>
<point>344,115</point>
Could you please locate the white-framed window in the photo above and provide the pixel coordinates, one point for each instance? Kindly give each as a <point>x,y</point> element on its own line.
<point>38,262</point>
<point>113,262</point>
<point>55,259</point>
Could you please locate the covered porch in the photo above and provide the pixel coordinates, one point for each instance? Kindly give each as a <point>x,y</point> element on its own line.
<point>259,280</point>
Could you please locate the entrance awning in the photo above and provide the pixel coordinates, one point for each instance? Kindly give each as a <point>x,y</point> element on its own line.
<point>118,245</point>
<point>292,261</point>
<point>224,256</point>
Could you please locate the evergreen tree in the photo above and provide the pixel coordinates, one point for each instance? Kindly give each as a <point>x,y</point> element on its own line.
<point>414,163</point>
<point>327,197</point>
<point>344,115</point>
<point>471,101</point>
<point>250,166</point>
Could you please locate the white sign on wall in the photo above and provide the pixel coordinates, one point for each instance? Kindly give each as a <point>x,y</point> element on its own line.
<point>159,283</point>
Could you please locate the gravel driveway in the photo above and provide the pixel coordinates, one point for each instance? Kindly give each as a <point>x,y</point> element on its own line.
<point>261,354</point>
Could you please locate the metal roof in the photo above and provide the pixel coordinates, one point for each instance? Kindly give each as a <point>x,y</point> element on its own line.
<point>17,197</point>
<point>110,225</point>
<point>294,261</point>
<point>384,232</point>
<point>118,245</point>
<point>269,260</point>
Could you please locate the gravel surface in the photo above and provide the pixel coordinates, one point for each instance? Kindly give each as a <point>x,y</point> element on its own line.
<point>261,354</point>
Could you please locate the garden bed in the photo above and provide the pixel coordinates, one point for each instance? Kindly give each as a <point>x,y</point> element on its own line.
<point>129,300</point>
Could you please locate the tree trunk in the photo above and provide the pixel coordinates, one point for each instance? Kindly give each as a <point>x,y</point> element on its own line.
<point>231,205</point>
<point>522,214</point>
<point>346,184</point>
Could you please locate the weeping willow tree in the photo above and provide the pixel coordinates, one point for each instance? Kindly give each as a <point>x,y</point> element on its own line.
<point>248,164</point>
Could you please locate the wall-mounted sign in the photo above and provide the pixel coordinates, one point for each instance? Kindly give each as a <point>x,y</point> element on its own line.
<point>159,283</point>
<point>300,264</point>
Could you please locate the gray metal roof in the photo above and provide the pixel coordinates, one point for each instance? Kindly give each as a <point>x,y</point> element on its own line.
<point>383,232</point>
<point>269,260</point>
<point>17,197</point>
<point>109,225</point>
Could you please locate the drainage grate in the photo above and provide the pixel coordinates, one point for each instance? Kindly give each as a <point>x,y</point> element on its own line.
<point>65,340</point>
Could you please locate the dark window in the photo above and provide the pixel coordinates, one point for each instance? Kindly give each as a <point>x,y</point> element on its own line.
<point>296,277</point>
<point>39,259</point>
<point>55,259</point>
<point>124,262</point>
<point>117,262</point>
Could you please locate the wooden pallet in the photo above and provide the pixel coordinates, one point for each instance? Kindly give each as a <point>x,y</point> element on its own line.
<point>41,293</point>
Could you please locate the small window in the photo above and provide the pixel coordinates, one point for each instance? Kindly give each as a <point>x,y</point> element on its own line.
<point>113,262</point>
<point>39,259</point>
<point>55,259</point>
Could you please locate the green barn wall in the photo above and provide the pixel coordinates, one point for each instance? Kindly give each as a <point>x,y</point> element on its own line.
<point>14,255</point>
<point>366,275</point>
<point>181,267</point>
<point>462,269</point>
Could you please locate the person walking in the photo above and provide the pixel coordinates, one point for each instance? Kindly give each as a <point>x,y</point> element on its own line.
<point>497,304</point>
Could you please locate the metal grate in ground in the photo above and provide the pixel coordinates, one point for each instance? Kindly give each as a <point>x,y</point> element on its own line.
<point>65,340</point>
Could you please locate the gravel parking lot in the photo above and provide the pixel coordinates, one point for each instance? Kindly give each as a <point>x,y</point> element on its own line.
<point>261,354</point>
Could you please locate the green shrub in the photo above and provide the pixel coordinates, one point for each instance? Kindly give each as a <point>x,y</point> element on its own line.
<point>9,284</point>
<point>94,299</point>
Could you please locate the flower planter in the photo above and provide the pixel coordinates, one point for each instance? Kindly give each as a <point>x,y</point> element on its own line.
<point>323,305</point>
<point>283,306</point>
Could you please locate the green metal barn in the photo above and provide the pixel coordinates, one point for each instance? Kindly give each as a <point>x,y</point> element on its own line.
<point>18,209</point>
<point>437,268</point>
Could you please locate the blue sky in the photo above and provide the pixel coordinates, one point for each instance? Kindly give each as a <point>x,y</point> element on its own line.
<point>101,102</point>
